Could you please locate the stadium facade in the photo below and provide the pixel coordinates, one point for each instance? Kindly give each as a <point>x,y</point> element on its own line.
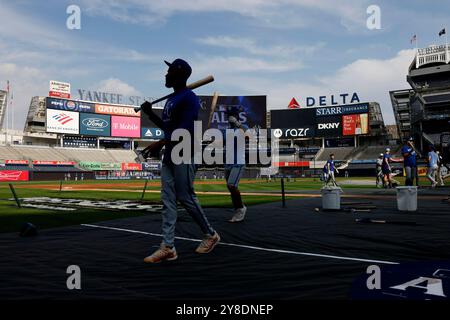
<point>423,111</point>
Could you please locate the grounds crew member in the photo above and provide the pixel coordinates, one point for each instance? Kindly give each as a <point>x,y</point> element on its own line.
<point>410,154</point>
<point>180,112</point>
<point>439,178</point>
<point>378,171</point>
<point>330,168</point>
<point>386,168</point>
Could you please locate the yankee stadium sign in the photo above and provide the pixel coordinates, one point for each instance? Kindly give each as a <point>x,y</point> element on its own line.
<point>111,98</point>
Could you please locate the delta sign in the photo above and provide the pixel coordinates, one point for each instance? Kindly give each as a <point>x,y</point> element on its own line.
<point>322,101</point>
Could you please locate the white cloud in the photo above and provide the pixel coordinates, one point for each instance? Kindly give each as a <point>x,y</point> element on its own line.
<point>117,86</point>
<point>250,46</point>
<point>235,65</point>
<point>274,13</point>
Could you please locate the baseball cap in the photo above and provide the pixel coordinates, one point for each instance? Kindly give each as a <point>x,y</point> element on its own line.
<point>181,65</point>
<point>381,154</point>
<point>388,149</point>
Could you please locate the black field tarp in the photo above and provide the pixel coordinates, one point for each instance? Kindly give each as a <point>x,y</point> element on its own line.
<point>275,253</point>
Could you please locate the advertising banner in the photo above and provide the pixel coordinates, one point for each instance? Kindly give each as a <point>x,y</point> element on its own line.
<point>19,162</point>
<point>150,166</point>
<point>91,165</point>
<point>110,166</point>
<point>59,89</point>
<point>355,124</point>
<point>292,164</point>
<point>79,142</point>
<point>116,110</point>
<point>152,133</point>
<point>341,110</point>
<point>132,166</point>
<point>125,127</point>
<point>95,124</point>
<point>253,111</point>
<point>69,105</point>
<point>53,163</point>
<point>59,121</point>
<point>292,118</point>
<point>329,126</point>
<point>14,175</point>
<point>299,132</point>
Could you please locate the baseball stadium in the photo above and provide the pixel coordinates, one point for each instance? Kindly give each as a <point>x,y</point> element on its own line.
<point>200,197</point>
<point>72,183</point>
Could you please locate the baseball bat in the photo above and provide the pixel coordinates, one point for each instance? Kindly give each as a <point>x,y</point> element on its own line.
<point>192,86</point>
<point>213,107</point>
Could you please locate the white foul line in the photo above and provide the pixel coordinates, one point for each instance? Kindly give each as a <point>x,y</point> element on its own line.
<point>247,247</point>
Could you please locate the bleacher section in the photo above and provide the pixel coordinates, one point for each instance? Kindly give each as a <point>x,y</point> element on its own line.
<point>372,152</point>
<point>85,155</point>
<point>64,154</point>
<point>37,153</point>
<point>9,153</point>
<point>122,155</point>
<point>339,153</point>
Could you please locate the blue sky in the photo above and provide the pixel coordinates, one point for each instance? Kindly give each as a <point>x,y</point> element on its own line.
<point>278,48</point>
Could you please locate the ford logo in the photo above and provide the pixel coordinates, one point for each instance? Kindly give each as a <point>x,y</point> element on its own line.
<point>96,123</point>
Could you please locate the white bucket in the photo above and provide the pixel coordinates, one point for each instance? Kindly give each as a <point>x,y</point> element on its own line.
<point>331,198</point>
<point>407,198</point>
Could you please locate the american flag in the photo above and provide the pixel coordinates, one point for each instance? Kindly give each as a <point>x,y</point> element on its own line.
<point>414,38</point>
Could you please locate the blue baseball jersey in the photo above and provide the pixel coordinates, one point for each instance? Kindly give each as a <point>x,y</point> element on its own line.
<point>331,163</point>
<point>386,158</point>
<point>410,159</point>
<point>180,112</point>
<point>433,159</point>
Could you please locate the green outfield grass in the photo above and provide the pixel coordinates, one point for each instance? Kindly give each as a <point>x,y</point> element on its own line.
<point>11,217</point>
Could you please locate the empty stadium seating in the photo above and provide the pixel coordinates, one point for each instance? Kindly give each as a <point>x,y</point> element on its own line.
<point>85,155</point>
<point>122,155</point>
<point>39,153</point>
<point>339,153</point>
<point>64,154</point>
<point>9,153</point>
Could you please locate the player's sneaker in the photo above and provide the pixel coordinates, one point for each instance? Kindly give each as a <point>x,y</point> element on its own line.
<point>239,214</point>
<point>208,243</point>
<point>163,253</point>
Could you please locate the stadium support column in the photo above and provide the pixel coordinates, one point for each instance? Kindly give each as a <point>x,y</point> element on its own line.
<point>61,143</point>
<point>98,143</point>
<point>356,141</point>
<point>323,143</point>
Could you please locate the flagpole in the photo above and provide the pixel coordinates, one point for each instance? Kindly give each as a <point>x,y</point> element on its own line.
<point>5,125</point>
<point>447,51</point>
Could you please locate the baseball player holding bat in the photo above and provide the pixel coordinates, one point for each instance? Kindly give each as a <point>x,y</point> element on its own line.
<point>235,170</point>
<point>180,112</point>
